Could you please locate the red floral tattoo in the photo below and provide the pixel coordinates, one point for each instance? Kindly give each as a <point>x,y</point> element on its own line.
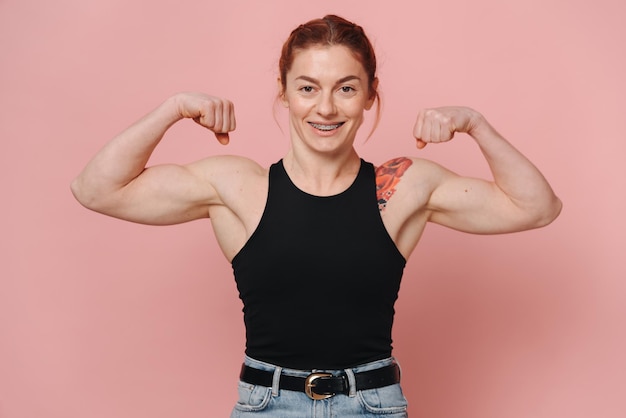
<point>387,178</point>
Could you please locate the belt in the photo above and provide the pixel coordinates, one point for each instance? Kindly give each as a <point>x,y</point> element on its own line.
<point>324,385</point>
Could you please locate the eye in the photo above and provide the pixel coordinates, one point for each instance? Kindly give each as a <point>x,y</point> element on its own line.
<point>306,89</point>
<point>347,89</point>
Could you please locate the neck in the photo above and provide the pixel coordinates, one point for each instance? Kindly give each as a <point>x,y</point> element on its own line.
<point>322,175</point>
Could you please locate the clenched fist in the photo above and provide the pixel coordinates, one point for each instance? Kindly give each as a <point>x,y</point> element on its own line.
<point>214,113</point>
<point>440,124</point>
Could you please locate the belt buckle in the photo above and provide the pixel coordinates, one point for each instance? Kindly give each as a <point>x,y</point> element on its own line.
<point>309,384</point>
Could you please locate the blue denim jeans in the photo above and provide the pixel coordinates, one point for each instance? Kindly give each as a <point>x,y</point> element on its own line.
<point>259,401</point>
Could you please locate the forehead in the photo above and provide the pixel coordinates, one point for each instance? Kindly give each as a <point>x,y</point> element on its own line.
<point>326,62</point>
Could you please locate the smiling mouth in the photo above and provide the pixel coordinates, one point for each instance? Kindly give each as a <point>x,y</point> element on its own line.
<point>325,127</point>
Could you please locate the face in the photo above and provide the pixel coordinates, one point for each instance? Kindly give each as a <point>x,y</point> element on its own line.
<point>326,92</point>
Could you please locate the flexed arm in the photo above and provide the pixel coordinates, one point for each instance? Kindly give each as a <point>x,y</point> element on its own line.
<point>116,181</point>
<point>518,198</point>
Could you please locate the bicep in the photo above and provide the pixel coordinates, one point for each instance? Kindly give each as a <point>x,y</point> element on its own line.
<point>163,195</point>
<point>473,205</point>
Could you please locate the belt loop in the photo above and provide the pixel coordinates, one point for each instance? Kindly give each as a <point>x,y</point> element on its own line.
<point>276,380</point>
<point>351,382</point>
<point>399,368</point>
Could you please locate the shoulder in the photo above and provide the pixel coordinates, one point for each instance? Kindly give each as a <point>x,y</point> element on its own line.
<point>409,170</point>
<point>229,175</point>
<point>411,180</point>
<point>404,164</point>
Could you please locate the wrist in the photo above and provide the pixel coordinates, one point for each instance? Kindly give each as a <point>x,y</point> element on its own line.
<point>479,127</point>
<point>173,108</point>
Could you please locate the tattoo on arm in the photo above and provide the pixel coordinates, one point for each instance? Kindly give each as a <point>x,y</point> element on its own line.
<point>387,178</point>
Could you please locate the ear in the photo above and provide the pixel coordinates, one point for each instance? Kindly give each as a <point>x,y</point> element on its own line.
<point>373,94</point>
<point>281,93</point>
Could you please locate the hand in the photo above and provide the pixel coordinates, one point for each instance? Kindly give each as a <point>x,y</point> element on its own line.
<point>214,113</point>
<point>440,124</point>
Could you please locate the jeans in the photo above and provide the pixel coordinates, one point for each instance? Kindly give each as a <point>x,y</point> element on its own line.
<point>258,401</point>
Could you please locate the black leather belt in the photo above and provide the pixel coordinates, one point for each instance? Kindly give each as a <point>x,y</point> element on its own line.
<point>324,385</point>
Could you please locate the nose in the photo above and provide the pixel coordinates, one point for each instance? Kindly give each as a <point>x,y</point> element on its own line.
<point>326,105</point>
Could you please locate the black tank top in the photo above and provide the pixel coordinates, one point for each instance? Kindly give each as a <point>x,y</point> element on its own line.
<point>319,277</point>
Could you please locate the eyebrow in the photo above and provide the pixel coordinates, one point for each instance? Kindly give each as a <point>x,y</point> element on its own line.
<point>316,81</point>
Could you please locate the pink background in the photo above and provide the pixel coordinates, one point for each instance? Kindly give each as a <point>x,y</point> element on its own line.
<point>101,318</point>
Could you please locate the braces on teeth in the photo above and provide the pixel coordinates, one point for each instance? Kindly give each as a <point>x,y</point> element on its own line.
<point>325,127</point>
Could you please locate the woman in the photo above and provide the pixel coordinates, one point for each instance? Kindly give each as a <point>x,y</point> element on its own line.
<point>318,241</point>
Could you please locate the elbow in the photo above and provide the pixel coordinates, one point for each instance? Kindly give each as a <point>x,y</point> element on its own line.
<point>77,191</point>
<point>95,197</point>
<point>82,194</point>
<point>548,212</point>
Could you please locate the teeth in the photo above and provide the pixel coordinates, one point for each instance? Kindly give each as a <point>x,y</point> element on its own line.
<point>325,127</point>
